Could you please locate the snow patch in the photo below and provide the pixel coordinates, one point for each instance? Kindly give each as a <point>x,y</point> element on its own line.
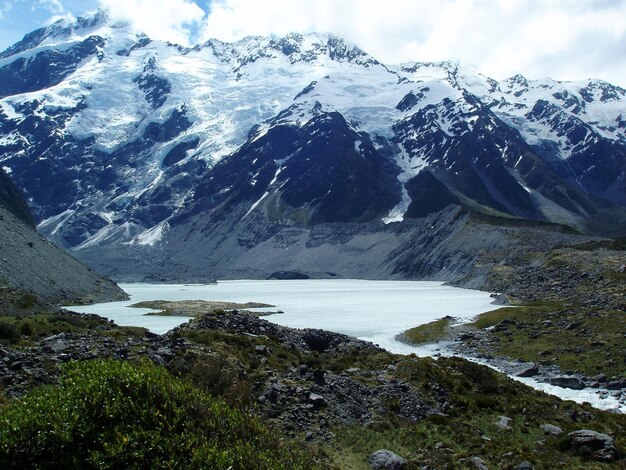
<point>410,167</point>
<point>153,236</point>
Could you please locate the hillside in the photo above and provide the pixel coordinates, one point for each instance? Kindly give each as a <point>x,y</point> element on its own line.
<point>32,270</point>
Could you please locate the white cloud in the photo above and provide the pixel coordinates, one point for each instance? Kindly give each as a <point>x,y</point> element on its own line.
<point>5,8</point>
<point>54,6</point>
<point>68,18</point>
<point>170,20</point>
<point>566,39</point>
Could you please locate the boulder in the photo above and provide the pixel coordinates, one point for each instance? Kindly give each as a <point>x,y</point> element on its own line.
<point>503,422</point>
<point>566,381</point>
<point>386,460</point>
<point>318,340</point>
<point>474,462</point>
<point>593,444</point>
<point>316,400</point>
<point>525,465</point>
<point>616,385</point>
<point>59,346</point>
<point>319,377</point>
<point>551,429</point>
<point>530,370</point>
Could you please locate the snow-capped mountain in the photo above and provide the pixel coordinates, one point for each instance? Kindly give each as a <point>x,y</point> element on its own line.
<point>121,141</point>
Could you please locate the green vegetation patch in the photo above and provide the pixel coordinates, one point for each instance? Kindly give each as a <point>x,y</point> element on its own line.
<point>109,414</point>
<point>23,329</point>
<point>429,332</point>
<point>584,340</point>
<point>242,349</point>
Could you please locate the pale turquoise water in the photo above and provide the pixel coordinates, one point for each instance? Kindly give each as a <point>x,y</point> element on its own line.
<point>375,311</point>
<point>372,310</point>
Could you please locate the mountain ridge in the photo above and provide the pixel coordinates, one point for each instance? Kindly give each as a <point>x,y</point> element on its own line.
<point>132,134</point>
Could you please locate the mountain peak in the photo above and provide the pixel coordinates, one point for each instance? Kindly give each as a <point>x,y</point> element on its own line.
<point>63,28</point>
<point>295,46</point>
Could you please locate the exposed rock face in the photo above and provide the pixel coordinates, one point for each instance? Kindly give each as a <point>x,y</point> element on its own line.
<point>12,200</point>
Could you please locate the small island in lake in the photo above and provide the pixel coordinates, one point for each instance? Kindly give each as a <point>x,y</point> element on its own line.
<point>193,308</point>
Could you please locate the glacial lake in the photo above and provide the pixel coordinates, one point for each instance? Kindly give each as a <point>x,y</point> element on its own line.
<point>375,311</point>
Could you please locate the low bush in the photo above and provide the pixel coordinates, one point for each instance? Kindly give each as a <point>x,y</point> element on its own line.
<point>109,414</point>
<point>8,332</point>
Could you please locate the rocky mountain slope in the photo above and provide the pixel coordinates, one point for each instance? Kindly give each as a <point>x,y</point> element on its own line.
<point>129,148</point>
<point>32,270</point>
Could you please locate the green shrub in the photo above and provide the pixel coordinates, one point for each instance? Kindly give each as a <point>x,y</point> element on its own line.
<point>26,328</point>
<point>109,414</point>
<point>485,379</point>
<point>26,301</point>
<point>8,332</point>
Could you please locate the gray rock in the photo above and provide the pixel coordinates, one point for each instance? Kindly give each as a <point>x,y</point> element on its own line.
<point>59,346</point>
<point>599,446</point>
<point>316,400</point>
<point>386,460</point>
<point>525,465</point>
<point>165,351</point>
<point>566,381</point>
<point>551,429</point>
<point>530,370</point>
<point>503,422</point>
<point>601,378</point>
<point>476,462</point>
<point>616,385</point>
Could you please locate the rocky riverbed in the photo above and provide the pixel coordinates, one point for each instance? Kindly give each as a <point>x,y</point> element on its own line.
<point>567,329</point>
<point>480,345</point>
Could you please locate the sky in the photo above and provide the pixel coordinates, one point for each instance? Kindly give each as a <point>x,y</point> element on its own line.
<point>563,39</point>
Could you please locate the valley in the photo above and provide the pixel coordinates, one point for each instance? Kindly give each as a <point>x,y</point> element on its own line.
<point>345,191</point>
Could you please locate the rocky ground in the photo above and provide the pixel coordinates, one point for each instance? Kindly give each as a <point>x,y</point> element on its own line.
<point>344,397</point>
